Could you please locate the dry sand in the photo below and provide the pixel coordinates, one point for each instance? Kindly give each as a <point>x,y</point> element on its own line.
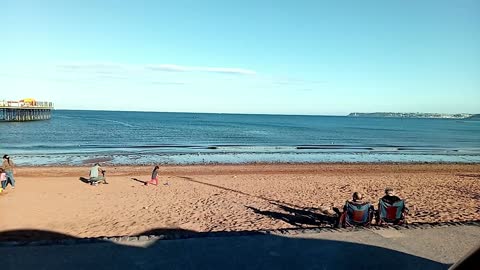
<point>229,197</point>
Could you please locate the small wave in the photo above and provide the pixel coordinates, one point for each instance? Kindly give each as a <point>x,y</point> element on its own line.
<point>332,146</point>
<point>257,132</point>
<point>97,119</point>
<point>120,123</point>
<point>236,158</point>
<point>255,148</point>
<point>108,120</point>
<point>389,149</point>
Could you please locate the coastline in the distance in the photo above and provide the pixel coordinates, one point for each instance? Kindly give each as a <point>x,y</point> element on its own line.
<point>416,115</point>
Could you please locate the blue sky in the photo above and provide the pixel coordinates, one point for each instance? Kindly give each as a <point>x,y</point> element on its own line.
<point>289,57</point>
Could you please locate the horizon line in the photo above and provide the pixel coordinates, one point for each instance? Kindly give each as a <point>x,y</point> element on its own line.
<point>238,113</point>
<point>246,113</point>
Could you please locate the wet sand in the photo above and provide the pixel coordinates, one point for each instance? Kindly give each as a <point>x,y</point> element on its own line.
<point>229,197</point>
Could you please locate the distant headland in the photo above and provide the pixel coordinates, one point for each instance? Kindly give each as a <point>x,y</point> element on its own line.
<point>417,115</point>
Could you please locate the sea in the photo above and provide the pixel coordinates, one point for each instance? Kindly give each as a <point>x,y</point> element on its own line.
<point>144,138</point>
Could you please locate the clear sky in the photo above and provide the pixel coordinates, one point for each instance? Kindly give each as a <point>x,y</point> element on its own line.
<point>248,56</point>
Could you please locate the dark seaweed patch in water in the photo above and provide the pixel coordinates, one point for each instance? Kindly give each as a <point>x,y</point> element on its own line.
<point>312,147</point>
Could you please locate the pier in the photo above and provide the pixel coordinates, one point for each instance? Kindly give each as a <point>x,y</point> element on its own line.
<point>25,110</point>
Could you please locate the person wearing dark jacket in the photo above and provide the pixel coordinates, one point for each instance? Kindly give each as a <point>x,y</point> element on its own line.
<point>390,197</point>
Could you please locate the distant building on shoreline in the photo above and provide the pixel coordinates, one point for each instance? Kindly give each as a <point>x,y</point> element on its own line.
<point>27,109</point>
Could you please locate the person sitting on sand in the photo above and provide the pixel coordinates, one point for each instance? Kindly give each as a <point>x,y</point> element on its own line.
<point>390,197</point>
<point>95,178</point>
<point>391,209</point>
<point>357,198</point>
<point>356,202</point>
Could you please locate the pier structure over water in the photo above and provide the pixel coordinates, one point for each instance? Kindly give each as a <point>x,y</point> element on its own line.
<point>25,110</point>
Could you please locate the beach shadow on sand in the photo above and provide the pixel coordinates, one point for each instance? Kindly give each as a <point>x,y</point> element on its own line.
<point>296,215</point>
<point>466,175</point>
<point>84,180</point>
<point>140,181</point>
<point>238,192</point>
<point>211,250</point>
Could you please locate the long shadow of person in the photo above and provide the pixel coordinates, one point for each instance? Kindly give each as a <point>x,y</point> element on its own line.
<point>295,220</point>
<point>297,216</point>
<point>84,180</point>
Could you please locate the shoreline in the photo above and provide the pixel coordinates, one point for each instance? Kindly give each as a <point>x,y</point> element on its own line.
<point>203,158</point>
<point>122,170</point>
<point>260,163</point>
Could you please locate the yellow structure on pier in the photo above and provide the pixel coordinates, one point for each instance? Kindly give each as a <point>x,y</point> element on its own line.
<point>27,109</point>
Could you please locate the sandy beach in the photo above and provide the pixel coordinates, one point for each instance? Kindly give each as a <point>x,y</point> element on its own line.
<point>229,197</point>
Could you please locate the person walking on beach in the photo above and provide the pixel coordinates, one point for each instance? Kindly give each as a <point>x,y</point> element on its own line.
<point>154,179</point>
<point>8,166</point>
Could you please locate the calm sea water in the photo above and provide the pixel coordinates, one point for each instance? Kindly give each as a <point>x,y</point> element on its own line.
<point>80,137</point>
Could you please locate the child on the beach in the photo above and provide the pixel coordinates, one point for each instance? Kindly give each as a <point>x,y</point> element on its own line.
<point>3,179</point>
<point>154,179</point>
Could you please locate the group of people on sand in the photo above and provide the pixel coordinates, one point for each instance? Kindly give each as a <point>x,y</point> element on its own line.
<point>97,176</point>
<point>6,173</point>
<point>358,212</point>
